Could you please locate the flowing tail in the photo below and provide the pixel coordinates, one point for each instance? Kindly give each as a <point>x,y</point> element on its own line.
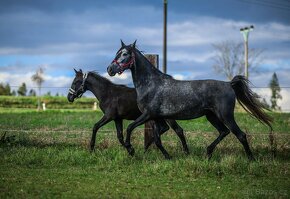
<point>249,100</point>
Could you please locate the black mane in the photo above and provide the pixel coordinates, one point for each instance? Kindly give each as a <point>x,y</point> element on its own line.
<point>161,73</point>
<point>105,80</point>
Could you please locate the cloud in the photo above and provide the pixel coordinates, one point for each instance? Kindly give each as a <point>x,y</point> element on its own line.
<point>60,38</point>
<point>125,78</point>
<point>198,57</point>
<point>179,77</point>
<point>51,84</point>
<point>284,103</point>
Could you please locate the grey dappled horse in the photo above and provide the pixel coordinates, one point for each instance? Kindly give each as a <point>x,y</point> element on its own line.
<point>161,96</point>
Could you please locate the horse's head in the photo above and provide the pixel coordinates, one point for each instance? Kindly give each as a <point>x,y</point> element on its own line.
<point>77,88</point>
<point>125,59</point>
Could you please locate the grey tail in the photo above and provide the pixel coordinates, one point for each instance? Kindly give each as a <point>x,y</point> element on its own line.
<point>249,100</point>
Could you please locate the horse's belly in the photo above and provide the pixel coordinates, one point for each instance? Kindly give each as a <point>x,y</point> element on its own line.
<point>182,111</point>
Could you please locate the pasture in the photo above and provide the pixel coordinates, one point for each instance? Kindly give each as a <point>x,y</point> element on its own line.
<point>45,154</point>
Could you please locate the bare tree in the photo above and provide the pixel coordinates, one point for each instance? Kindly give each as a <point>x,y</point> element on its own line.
<point>229,58</point>
<point>38,79</point>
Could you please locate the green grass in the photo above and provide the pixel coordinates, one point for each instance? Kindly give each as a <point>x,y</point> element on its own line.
<point>45,155</point>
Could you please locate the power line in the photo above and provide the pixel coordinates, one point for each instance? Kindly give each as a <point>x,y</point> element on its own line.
<point>269,4</point>
<point>276,3</point>
<point>266,5</point>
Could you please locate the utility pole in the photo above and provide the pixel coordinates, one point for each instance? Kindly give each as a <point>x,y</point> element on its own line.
<point>245,31</point>
<point>164,36</point>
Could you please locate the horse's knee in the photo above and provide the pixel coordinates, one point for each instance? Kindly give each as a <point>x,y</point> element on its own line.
<point>179,131</point>
<point>163,129</point>
<point>96,128</point>
<point>224,133</point>
<point>130,128</point>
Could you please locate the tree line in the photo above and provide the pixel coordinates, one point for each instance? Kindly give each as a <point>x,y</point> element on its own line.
<point>22,90</point>
<point>5,89</point>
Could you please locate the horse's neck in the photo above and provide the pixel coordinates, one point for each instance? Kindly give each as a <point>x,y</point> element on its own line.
<point>143,72</point>
<point>98,86</point>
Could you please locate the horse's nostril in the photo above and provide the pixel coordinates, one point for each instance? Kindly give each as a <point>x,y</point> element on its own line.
<point>109,69</point>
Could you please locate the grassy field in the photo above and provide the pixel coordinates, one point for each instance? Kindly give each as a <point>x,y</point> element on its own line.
<point>45,155</point>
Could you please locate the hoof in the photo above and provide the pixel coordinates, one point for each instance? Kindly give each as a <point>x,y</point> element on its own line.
<point>209,155</point>
<point>186,152</point>
<point>167,157</point>
<point>92,148</point>
<point>131,151</point>
<point>252,159</point>
<point>145,150</point>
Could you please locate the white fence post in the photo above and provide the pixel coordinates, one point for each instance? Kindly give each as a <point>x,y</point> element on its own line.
<point>95,106</point>
<point>43,106</point>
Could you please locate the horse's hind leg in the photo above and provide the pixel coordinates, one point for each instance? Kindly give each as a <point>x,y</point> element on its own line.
<point>163,128</point>
<point>119,127</point>
<point>242,137</point>
<point>222,129</point>
<point>179,131</point>
<point>158,140</point>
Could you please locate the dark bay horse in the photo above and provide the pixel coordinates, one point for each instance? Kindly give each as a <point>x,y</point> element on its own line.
<point>161,96</point>
<point>117,102</point>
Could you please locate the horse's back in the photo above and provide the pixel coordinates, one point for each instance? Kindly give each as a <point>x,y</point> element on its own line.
<point>191,99</point>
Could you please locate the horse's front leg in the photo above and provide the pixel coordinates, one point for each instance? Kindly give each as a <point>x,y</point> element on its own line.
<point>139,121</point>
<point>104,120</point>
<point>119,127</point>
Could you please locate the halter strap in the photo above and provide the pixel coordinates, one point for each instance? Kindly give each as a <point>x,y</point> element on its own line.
<point>85,76</point>
<point>73,92</point>
<point>123,66</point>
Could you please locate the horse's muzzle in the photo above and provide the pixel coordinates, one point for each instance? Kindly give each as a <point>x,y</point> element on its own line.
<point>110,70</point>
<point>70,98</point>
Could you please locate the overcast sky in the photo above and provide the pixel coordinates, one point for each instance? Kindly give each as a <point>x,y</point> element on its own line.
<point>67,34</point>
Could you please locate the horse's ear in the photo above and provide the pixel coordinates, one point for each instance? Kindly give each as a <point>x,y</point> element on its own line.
<point>122,43</point>
<point>134,44</point>
<point>75,71</point>
<point>81,71</point>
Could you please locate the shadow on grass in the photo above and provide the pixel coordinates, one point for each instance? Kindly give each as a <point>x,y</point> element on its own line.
<point>261,152</point>
<point>13,141</point>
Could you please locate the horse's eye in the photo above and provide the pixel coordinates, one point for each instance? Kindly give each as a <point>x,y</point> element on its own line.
<point>125,54</point>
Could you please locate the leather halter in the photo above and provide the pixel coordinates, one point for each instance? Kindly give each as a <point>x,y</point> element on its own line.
<point>123,66</point>
<point>81,88</point>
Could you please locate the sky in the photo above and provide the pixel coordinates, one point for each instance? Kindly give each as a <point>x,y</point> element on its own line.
<point>62,35</point>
